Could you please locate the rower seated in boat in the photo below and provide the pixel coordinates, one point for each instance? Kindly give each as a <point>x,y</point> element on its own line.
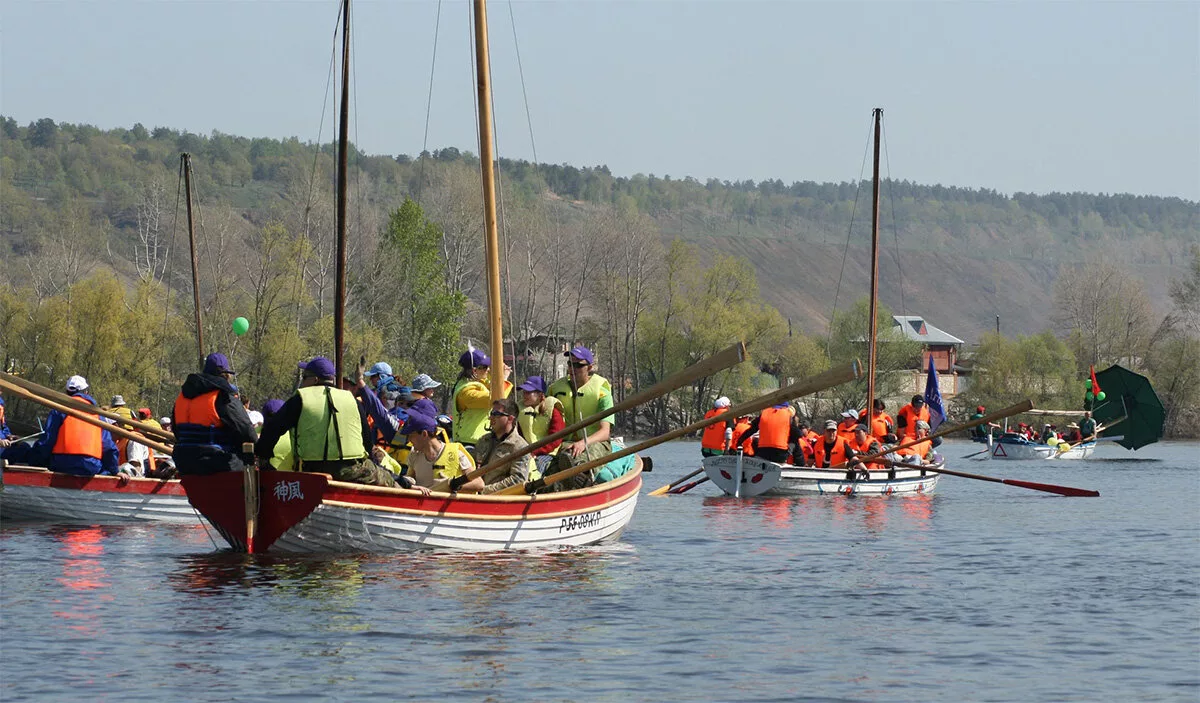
<point>864,444</point>
<point>541,416</point>
<point>72,446</point>
<point>501,440</point>
<point>433,458</point>
<point>329,429</point>
<point>583,393</point>
<point>920,452</point>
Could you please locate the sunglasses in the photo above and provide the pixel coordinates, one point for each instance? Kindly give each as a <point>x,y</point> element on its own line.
<point>498,413</point>
<point>580,364</point>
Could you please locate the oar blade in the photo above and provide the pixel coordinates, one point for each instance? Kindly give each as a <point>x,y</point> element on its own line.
<point>1051,488</point>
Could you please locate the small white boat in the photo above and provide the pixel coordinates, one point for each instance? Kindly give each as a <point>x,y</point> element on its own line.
<point>1013,446</point>
<point>751,477</point>
<point>32,493</point>
<point>299,513</point>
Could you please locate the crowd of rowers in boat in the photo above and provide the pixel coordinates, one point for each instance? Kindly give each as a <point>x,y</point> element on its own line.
<point>778,434</point>
<point>374,430</point>
<point>1075,433</point>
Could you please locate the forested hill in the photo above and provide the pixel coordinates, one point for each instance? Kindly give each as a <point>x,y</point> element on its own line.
<point>967,255</point>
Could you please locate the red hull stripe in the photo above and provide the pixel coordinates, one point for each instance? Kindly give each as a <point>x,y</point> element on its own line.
<point>41,478</point>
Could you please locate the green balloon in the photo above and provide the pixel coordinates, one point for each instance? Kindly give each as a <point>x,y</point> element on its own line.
<point>240,326</point>
<point>1089,397</point>
<point>1100,395</point>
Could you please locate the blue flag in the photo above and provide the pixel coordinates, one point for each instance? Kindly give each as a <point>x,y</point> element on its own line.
<point>933,398</point>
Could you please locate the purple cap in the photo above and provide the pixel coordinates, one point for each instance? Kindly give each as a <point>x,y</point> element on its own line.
<point>318,366</point>
<point>472,358</point>
<point>217,363</point>
<point>419,422</point>
<point>534,383</point>
<point>271,407</point>
<point>583,354</point>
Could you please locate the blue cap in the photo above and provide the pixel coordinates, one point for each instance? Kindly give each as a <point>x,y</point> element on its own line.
<point>318,366</point>
<point>472,358</point>
<point>423,382</point>
<point>381,368</point>
<point>583,354</point>
<point>534,383</point>
<point>419,422</point>
<point>271,407</point>
<point>217,363</point>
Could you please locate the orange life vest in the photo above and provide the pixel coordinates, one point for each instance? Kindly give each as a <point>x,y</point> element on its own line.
<point>910,415</point>
<point>201,410</point>
<point>747,442</point>
<point>714,434</point>
<point>878,425</point>
<point>774,427</point>
<point>868,446</point>
<point>836,456</point>
<point>78,437</point>
<point>845,429</point>
<point>920,449</point>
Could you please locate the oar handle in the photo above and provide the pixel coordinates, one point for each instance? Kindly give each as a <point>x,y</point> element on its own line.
<point>730,356</point>
<point>667,488</point>
<point>90,419</point>
<point>64,399</point>
<point>807,386</point>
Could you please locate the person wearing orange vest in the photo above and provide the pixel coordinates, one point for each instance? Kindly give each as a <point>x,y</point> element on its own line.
<point>745,440</point>
<point>881,423</point>
<point>72,446</point>
<point>715,439</point>
<point>906,419</point>
<point>864,444</point>
<point>774,427</point>
<point>920,452</point>
<point>831,449</point>
<point>802,444</point>
<point>210,422</point>
<point>847,424</point>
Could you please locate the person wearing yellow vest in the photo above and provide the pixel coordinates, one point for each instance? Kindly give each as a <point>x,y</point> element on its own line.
<point>72,446</point>
<point>775,432</point>
<point>906,419</point>
<point>473,396</point>
<point>715,439</point>
<point>211,425</point>
<point>582,394</point>
<point>119,407</point>
<point>282,458</point>
<point>501,440</point>
<point>329,429</point>
<point>432,458</point>
<point>541,416</point>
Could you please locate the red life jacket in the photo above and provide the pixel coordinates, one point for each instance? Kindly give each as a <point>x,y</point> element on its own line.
<point>714,434</point>
<point>774,427</point>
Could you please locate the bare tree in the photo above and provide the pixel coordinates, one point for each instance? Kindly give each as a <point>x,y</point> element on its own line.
<point>151,251</point>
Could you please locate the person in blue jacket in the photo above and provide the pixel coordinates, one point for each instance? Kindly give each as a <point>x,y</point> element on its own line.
<point>72,446</point>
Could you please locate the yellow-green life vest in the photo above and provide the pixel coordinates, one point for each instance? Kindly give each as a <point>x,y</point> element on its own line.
<point>535,422</point>
<point>447,465</point>
<point>581,404</point>
<point>329,428</point>
<point>282,459</point>
<point>469,423</point>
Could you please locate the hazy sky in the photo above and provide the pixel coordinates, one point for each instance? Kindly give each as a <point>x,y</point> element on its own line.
<point>1016,96</point>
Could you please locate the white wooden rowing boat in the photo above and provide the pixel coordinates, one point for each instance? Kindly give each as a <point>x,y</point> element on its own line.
<point>752,477</point>
<point>1013,447</point>
<point>301,513</point>
<point>32,493</point>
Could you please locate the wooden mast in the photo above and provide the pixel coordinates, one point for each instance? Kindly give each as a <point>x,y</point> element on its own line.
<point>339,303</point>
<point>492,237</point>
<point>185,160</point>
<point>874,270</point>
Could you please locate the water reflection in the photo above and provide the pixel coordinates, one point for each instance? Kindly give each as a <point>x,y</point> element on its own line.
<point>874,514</point>
<point>84,578</point>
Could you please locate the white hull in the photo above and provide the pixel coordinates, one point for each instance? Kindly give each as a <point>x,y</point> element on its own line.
<point>36,494</point>
<point>760,477</point>
<point>1040,452</point>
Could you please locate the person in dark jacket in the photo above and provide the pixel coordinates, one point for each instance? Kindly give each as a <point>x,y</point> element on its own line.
<point>209,422</point>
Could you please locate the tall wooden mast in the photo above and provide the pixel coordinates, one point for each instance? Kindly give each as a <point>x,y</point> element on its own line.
<point>185,163</point>
<point>874,270</point>
<point>339,305</point>
<point>492,237</point>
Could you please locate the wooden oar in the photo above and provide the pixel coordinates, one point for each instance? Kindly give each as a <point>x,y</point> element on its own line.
<point>731,356</point>
<point>1017,409</point>
<point>690,486</point>
<point>90,419</point>
<point>1046,487</point>
<point>667,488</point>
<point>64,399</point>
<point>829,379</point>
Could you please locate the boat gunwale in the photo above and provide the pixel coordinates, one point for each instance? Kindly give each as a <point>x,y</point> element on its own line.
<point>40,477</point>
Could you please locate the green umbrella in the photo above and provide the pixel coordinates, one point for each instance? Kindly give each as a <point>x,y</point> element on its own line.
<point>1129,395</point>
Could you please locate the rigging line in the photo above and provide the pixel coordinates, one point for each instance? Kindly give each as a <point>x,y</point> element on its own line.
<point>895,229</point>
<point>162,350</point>
<point>312,176</point>
<point>853,212</point>
<point>437,23</point>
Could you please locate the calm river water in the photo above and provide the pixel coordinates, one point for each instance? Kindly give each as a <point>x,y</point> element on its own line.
<point>980,592</point>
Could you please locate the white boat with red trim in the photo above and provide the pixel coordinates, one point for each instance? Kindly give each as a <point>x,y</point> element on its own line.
<point>299,513</point>
<point>33,493</point>
<point>1014,446</point>
<point>749,477</point>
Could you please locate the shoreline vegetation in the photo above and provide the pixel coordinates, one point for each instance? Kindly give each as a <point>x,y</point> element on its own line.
<point>652,273</point>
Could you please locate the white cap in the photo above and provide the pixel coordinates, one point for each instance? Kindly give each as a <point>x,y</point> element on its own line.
<point>721,402</point>
<point>76,384</point>
<point>850,414</point>
<point>164,420</point>
<point>256,418</point>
